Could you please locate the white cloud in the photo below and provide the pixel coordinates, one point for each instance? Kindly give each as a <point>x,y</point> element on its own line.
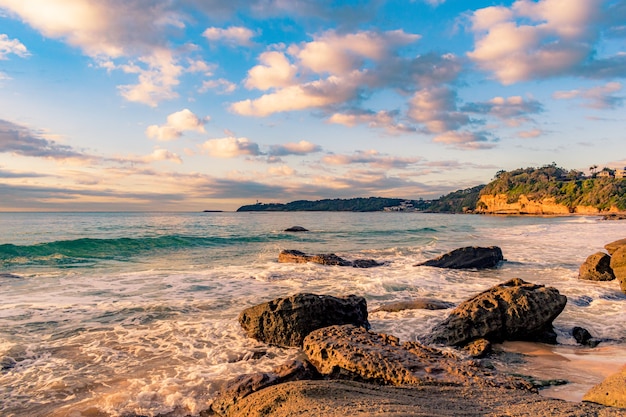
<point>233,36</point>
<point>601,97</point>
<point>382,119</point>
<point>222,86</point>
<point>533,133</point>
<point>162,155</point>
<point>464,140</point>
<point>372,158</point>
<point>282,171</point>
<point>436,109</point>
<point>12,46</point>
<point>300,148</point>
<point>275,71</point>
<point>177,124</point>
<point>230,147</point>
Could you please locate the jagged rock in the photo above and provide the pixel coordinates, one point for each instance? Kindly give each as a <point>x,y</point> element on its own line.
<point>513,310</point>
<point>468,257</point>
<point>478,348</point>
<point>618,265</point>
<point>610,392</point>
<point>614,216</point>
<point>349,352</point>
<point>583,337</point>
<point>244,385</point>
<point>415,304</point>
<point>597,267</point>
<point>296,229</point>
<point>295,256</point>
<point>613,246</point>
<point>286,321</point>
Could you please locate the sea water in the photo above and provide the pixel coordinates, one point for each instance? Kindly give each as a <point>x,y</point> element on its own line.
<point>118,314</point>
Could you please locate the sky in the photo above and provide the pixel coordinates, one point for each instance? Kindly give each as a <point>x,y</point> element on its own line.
<point>190,105</point>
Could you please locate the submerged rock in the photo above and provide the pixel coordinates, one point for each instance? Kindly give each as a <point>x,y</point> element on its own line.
<point>415,304</point>
<point>471,257</point>
<point>295,256</point>
<point>513,310</point>
<point>597,267</point>
<point>610,392</point>
<point>296,229</point>
<point>583,337</point>
<point>287,321</point>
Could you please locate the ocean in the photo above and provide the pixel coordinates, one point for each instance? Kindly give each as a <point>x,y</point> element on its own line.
<point>120,314</point>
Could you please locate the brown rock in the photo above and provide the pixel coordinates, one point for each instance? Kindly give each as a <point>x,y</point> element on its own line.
<point>467,258</point>
<point>295,256</point>
<point>610,392</point>
<point>286,321</point>
<point>514,310</point>
<point>613,246</point>
<point>296,229</point>
<point>349,352</point>
<point>478,348</point>
<point>618,265</point>
<point>415,304</point>
<point>597,267</point>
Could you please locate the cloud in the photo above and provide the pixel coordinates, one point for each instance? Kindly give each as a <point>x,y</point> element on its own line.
<point>11,46</point>
<point>20,140</point>
<point>177,124</point>
<point>534,40</point>
<point>232,36</point>
<point>601,97</point>
<point>301,148</point>
<point>464,140</point>
<point>382,119</point>
<point>436,108</point>
<point>372,158</point>
<point>527,134</point>
<point>505,108</point>
<point>275,71</point>
<point>282,171</point>
<point>222,86</point>
<point>230,147</point>
<point>162,155</point>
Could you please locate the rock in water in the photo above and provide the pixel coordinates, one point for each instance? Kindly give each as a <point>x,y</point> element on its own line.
<point>513,310</point>
<point>597,267</point>
<point>610,392</point>
<point>297,257</point>
<point>467,258</point>
<point>613,246</point>
<point>583,337</point>
<point>296,229</point>
<point>618,265</point>
<point>287,321</point>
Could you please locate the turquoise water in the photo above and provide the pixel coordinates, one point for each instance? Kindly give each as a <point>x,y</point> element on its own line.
<point>112,314</point>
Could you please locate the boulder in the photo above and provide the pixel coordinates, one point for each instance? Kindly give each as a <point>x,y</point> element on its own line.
<point>349,352</point>
<point>296,229</point>
<point>513,310</point>
<point>610,392</point>
<point>583,337</point>
<point>244,385</point>
<point>597,267</point>
<point>415,304</point>
<point>618,265</point>
<point>613,246</point>
<point>295,256</point>
<point>471,257</point>
<point>286,321</point>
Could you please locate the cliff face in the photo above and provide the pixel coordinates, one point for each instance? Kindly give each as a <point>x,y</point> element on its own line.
<point>497,204</point>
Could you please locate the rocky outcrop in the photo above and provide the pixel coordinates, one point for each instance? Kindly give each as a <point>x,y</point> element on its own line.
<point>613,246</point>
<point>583,337</point>
<point>468,258</point>
<point>514,310</point>
<point>297,257</point>
<point>245,385</point>
<point>296,229</point>
<point>349,352</point>
<point>597,267</point>
<point>610,392</point>
<point>415,304</point>
<point>618,265</point>
<point>287,321</point>
<point>499,204</point>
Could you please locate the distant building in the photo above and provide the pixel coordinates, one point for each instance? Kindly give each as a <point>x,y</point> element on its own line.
<point>606,173</point>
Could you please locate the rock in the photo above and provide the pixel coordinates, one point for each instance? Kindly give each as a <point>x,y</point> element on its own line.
<point>296,229</point>
<point>286,321</point>
<point>478,348</point>
<point>614,216</point>
<point>583,337</point>
<point>295,256</point>
<point>349,352</point>
<point>618,265</point>
<point>468,257</point>
<point>613,246</point>
<point>513,310</point>
<point>597,267</point>
<point>244,385</point>
<point>610,392</point>
<point>415,304</point>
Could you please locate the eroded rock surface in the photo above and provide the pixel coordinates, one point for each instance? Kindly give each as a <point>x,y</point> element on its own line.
<point>610,392</point>
<point>297,257</point>
<point>618,265</point>
<point>513,310</point>
<point>471,257</point>
<point>415,304</point>
<point>613,246</point>
<point>597,267</point>
<point>287,321</point>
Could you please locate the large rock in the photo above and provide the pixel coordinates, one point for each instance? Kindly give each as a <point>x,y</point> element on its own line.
<point>355,353</point>
<point>415,304</point>
<point>618,265</point>
<point>287,321</point>
<point>613,246</point>
<point>514,310</point>
<point>597,267</point>
<point>610,392</point>
<point>468,257</point>
<point>296,229</point>
<point>297,257</point>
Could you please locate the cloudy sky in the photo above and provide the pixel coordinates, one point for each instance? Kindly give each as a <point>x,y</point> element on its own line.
<point>211,104</point>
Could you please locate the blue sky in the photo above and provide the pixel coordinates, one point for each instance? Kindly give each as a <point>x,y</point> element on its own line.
<point>212,104</point>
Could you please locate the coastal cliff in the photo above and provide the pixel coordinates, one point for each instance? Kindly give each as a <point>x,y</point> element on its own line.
<point>499,204</point>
